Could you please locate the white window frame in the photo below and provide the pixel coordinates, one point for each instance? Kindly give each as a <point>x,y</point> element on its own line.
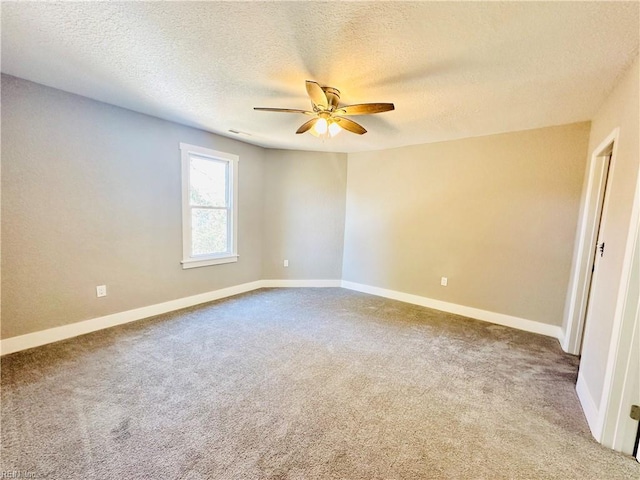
<point>193,261</point>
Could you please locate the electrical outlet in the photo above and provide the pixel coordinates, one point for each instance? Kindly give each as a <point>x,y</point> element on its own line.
<point>101,291</point>
<point>286,263</point>
<point>443,281</point>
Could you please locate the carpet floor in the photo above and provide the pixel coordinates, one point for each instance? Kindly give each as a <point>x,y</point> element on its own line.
<point>300,384</point>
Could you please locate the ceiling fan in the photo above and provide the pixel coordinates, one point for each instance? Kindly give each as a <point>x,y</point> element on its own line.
<point>328,116</point>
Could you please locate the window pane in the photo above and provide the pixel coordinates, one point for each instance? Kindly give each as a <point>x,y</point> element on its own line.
<point>208,231</point>
<point>208,182</point>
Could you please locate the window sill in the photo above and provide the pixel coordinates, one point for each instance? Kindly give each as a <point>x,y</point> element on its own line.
<point>205,262</point>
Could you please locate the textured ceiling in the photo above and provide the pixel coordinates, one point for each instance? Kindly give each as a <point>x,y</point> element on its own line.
<point>452,69</point>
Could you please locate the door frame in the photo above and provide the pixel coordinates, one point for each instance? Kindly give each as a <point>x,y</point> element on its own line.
<point>588,224</point>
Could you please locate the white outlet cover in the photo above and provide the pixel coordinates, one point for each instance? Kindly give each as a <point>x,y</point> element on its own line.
<point>443,281</point>
<point>101,291</point>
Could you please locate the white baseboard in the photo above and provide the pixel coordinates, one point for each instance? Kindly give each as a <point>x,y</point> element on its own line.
<point>589,408</point>
<point>35,339</point>
<point>300,283</point>
<point>43,337</point>
<point>476,313</point>
<point>562,339</point>
<point>565,343</point>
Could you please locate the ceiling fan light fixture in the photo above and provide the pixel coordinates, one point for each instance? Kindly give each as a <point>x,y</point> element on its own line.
<point>321,126</point>
<point>334,129</point>
<point>325,128</point>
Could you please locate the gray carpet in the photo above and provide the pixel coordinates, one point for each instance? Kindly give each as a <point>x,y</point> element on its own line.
<point>300,384</point>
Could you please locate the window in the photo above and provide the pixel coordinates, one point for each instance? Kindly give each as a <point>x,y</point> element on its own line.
<point>209,207</point>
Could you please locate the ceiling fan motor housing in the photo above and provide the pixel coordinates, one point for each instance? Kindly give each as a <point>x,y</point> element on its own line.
<point>333,97</point>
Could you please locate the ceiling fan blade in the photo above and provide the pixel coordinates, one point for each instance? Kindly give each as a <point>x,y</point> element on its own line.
<point>350,125</point>
<point>317,95</point>
<point>366,108</point>
<point>306,126</point>
<point>283,110</point>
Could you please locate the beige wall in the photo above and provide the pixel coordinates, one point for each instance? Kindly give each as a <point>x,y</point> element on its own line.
<point>496,215</point>
<point>621,110</point>
<point>304,202</point>
<point>91,196</point>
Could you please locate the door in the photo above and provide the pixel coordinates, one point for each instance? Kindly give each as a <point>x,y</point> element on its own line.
<point>598,250</point>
